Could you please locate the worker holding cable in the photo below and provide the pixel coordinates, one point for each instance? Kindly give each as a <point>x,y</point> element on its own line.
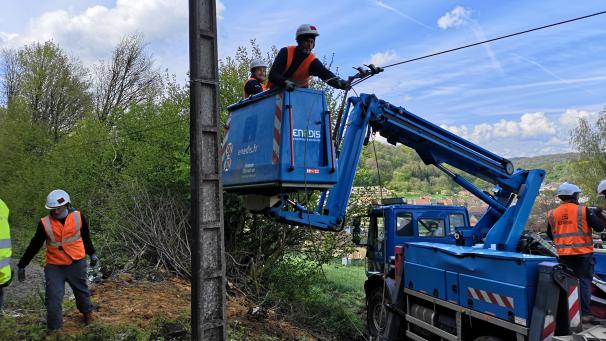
<point>570,226</point>
<point>67,237</point>
<point>294,65</point>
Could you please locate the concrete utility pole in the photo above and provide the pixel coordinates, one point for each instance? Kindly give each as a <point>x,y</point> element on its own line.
<point>208,258</point>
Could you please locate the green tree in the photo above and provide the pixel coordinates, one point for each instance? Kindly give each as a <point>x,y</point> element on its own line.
<point>590,140</point>
<point>130,77</point>
<point>53,85</point>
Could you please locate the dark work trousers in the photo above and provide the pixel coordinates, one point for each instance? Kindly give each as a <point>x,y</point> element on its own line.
<point>582,266</point>
<point>1,297</point>
<point>56,276</point>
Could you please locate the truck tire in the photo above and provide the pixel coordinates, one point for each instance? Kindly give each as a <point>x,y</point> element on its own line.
<point>488,338</point>
<point>376,313</point>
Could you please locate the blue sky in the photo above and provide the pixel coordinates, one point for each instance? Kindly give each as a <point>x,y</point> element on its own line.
<point>516,97</point>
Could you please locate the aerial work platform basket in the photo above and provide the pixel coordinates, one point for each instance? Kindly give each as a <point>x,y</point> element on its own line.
<point>278,142</point>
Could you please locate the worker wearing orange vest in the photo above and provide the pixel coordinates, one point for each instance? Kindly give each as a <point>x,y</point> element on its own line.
<point>67,237</point>
<point>294,65</point>
<point>255,85</point>
<point>569,225</point>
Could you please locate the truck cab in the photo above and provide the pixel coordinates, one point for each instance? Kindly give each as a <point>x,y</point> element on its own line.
<point>395,222</point>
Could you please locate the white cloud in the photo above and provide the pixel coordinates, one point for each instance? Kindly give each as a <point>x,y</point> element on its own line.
<point>534,133</point>
<point>529,125</point>
<point>457,17</point>
<point>220,10</point>
<point>7,37</point>
<point>94,32</point>
<point>382,58</point>
<point>534,124</point>
<point>570,118</point>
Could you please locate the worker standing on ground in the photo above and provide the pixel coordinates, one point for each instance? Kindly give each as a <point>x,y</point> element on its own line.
<point>569,225</point>
<point>294,65</point>
<point>67,237</point>
<point>5,251</point>
<point>255,85</point>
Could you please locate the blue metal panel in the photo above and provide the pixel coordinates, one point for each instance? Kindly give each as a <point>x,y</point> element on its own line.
<point>502,266</point>
<point>505,233</point>
<point>428,280</point>
<point>255,156</point>
<point>247,150</point>
<point>600,264</point>
<point>452,287</point>
<point>504,300</point>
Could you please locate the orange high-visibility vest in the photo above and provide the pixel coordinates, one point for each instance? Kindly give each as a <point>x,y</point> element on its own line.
<point>63,242</point>
<point>571,234</point>
<point>301,75</point>
<point>263,87</point>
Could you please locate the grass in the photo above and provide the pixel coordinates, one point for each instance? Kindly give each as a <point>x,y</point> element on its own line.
<point>330,302</point>
<point>345,278</point>
<point>344,287</point>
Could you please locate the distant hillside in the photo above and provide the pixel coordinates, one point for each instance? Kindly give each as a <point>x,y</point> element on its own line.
<point>557,166</point>
<point>402,171</point>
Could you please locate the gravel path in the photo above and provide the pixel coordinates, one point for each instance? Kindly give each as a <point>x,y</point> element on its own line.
<point>33,284</point>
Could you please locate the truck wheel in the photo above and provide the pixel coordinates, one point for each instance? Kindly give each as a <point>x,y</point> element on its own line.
<point>376,313</point>
<point>488,338</point>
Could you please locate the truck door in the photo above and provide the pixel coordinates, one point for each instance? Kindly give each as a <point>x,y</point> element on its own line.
<point>431,226</point>
<point>456,220</point>
<point>375,253</point>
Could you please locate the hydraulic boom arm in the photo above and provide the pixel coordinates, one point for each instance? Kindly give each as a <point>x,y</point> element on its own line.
<point>503,223</point>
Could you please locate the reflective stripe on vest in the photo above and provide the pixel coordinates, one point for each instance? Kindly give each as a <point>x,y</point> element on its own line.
<point>570,240</point>
<point>301,75</point>
<point>5,243</point>
<point>5,246</point>
<point>569,246</point>
<point>49,231</point>
<point>64,241</point>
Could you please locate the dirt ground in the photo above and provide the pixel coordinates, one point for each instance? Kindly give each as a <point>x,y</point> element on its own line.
<point>134,303</point>
<point>137,303</point>
<point>240,312</point>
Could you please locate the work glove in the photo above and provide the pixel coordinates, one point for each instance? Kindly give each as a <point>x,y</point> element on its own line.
<point>289,85</point>
<point>343,85</point>
<point>94,260</point>
<point>21,274</point>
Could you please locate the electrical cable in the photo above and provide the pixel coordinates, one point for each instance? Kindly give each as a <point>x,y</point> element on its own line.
<point>494,39</point>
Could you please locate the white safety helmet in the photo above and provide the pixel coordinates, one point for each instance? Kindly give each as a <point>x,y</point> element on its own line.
<point>602,186</point>
<point>57,198</point>
<point>307,29</point>
<point>568,189</point>
<point>255,63</point>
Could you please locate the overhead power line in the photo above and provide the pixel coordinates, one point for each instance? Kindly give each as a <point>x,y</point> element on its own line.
<point>495,39</point>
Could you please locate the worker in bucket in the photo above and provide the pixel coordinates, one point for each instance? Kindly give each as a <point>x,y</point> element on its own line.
<point>254,85</point>
<point>294,65</point>
<point>6,274</point>
<point>67,237</point>
<point>569,225</point>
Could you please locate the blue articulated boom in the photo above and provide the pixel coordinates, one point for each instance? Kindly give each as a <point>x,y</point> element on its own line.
<point>501,226</point>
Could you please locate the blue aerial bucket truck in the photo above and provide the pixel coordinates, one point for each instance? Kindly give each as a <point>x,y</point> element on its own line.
<point>431,275</point>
